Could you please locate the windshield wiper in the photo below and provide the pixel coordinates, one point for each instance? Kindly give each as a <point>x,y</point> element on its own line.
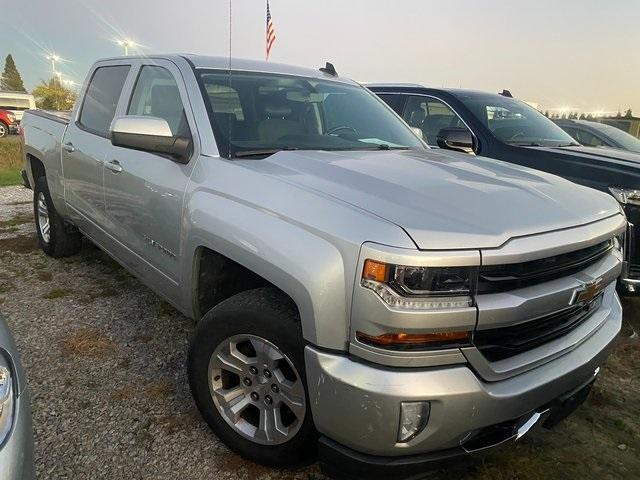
<point>262,152</point>
<point>572,144</point>
<point>384,146</point>
<point>525,144</point>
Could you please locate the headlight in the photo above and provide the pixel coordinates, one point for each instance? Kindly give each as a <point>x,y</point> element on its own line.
<point>11,117</point>
<point>626,196</point>
<point>420,288</point>
<point>6,403</point>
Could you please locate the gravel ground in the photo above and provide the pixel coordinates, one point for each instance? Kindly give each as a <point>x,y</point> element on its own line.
<point>105,363</point>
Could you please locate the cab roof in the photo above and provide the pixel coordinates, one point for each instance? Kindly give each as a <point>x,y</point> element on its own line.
<point>241,64</point>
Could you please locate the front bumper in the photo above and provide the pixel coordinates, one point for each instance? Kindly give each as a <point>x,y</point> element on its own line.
<point>344,463</point>
<point>357,404</point>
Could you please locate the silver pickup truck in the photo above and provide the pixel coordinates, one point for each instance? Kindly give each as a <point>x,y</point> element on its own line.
<point>357,294</point>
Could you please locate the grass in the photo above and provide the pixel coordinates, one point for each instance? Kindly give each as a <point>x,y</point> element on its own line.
<point>57,293</point>
<point>88,342</point>
<point>10,161</point>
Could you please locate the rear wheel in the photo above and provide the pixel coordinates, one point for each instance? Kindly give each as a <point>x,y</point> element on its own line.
<point>56,237</point>
<point>247,375</point>
<point>4,129</point>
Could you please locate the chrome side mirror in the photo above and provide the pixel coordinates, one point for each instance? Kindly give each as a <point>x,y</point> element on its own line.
<point>150,134</point>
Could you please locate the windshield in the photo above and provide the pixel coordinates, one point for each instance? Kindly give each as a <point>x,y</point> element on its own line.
<point>514,122</point>
<point>260,113</point>
<point>627,141</point>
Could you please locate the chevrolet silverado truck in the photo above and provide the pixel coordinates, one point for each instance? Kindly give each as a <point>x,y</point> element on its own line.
<point>358,295</point>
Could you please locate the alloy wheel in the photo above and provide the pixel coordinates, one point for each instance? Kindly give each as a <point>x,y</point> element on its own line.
<point>257,389</point>
<point>43,218</point>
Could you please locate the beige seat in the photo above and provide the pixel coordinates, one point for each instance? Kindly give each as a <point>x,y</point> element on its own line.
<point>278,122</point>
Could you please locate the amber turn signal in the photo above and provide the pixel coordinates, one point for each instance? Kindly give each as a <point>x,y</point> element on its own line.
<point>415,340</point>
<point>376,271</point>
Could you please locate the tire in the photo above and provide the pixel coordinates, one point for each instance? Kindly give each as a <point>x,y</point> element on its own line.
<point>4,129</point>
<point>265,314</point>
<point>56,237</point>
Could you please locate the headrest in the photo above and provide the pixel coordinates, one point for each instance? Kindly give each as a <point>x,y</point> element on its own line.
<point>276,107</point>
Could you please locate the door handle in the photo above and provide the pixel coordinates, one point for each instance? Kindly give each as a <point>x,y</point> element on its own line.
<point>114,166</point>
<point>69,147</point>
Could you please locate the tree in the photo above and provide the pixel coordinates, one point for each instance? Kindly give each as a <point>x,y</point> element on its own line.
<point>546,113</point>
<point>53,95</point>
<point>628,113</point>
<point>11,79</point>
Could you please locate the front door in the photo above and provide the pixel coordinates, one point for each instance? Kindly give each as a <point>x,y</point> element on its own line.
<point>144,191</point>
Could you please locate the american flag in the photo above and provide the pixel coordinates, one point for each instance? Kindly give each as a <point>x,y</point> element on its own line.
<point>271,32</point>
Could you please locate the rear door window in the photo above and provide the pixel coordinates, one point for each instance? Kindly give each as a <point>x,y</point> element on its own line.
<point>101,98</point>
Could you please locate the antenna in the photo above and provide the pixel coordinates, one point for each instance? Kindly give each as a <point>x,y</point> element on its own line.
<point>329,69</point>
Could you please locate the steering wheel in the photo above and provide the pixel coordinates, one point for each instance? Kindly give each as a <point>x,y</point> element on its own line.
<point>341,127</point>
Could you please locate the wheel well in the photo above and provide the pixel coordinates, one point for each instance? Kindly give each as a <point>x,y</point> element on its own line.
<point>37,167</point>
<point>219,277</point>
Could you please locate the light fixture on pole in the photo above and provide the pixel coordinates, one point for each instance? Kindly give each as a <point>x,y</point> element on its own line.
<point>54,58</point>
<point>126,43</point>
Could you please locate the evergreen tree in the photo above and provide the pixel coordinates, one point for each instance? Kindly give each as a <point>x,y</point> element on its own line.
<point>628,113</point>
<point>11,79</point>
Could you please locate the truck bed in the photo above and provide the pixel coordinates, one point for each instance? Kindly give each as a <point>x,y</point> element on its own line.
<point>43,132</point>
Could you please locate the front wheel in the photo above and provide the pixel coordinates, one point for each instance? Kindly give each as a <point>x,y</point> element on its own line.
<point>247,376</point>
<point>4,129</point>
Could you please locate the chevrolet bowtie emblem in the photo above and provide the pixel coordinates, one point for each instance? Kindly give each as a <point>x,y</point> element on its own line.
<point>587,292</point>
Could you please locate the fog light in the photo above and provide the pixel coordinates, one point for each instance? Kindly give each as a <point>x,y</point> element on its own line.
<point>413,418</point>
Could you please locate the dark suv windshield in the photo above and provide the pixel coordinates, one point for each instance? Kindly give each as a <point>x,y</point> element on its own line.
<point>259,113</point>
<point>514,122</point>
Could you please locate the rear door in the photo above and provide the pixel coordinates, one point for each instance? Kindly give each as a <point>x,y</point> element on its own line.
<point>144,191</point>
<point>86,144</point>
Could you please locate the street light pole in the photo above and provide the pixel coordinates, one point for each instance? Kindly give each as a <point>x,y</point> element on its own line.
<point>54,58</point>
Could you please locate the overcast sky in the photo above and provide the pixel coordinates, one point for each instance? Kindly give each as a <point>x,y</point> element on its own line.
<point>583,54</point>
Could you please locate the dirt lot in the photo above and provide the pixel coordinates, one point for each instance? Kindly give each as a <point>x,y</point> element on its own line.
<point>105,362</point>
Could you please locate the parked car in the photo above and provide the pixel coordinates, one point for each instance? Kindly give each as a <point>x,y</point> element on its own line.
<point>7,123</point>
<point>352,287</point>
<point>501,127</point>
<point>594,134</point>
<point>16,434</point>
<point>16,103</point>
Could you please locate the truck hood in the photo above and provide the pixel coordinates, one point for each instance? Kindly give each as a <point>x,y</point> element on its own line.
<point>443,200</point>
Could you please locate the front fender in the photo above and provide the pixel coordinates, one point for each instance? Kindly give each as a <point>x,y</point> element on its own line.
<point>307,267</point>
